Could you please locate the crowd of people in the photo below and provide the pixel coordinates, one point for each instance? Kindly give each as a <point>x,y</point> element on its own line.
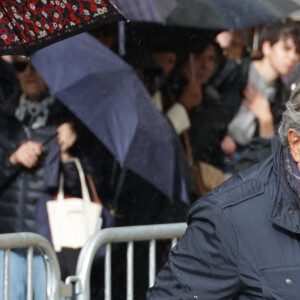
<point>225,114</point>
<point>225,111</point>
<point>242,238</point>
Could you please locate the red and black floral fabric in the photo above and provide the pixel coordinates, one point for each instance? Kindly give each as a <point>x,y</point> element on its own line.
<point>28,25</point>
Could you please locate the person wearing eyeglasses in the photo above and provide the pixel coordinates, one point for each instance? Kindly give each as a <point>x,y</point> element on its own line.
<point>31,120</point>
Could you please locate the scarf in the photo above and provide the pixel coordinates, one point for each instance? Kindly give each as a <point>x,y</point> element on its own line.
<point>38,111</point>
<point>292,171</point>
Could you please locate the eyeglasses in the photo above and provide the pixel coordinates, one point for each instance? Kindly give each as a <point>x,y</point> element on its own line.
<point>20,66</point>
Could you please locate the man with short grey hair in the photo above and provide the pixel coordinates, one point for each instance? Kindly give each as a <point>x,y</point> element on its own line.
<point>242,241</point>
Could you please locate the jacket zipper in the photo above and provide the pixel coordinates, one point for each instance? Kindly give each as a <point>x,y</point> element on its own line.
<point>25,184</point>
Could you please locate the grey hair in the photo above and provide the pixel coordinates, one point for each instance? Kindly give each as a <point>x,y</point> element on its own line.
<point>290,117</point>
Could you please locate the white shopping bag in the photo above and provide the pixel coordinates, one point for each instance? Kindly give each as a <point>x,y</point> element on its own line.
<point>73,220</point>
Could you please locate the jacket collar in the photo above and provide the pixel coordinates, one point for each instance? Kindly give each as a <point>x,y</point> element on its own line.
<point>285,212</point>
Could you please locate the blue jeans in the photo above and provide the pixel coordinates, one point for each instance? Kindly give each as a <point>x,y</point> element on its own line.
<point>18,276</point>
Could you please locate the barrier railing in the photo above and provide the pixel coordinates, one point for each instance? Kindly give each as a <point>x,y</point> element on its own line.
<point>128,235</point>
<point>31,241</point>
<point>81,281</point>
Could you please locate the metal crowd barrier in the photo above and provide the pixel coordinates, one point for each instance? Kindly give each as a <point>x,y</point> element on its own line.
<point>128,235</point>
<point>31,242</point>
<point>55,289</point>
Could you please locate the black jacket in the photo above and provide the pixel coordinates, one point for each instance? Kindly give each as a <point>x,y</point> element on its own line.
<point>208,128</point>
<point>21,187</point>
<point>209,122</point>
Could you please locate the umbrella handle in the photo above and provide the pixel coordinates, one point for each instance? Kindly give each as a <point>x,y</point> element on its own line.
<point>113,177</point>
<point>119,187</point>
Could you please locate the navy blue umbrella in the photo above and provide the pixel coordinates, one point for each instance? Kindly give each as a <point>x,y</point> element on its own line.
<point>107,96</point>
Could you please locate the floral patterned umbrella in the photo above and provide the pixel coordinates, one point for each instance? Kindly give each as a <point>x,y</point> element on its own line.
<point>28,25</point>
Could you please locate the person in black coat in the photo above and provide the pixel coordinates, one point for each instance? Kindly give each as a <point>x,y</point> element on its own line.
<point>8,80</point>
<point>31,121</point>
<point>208,117</point>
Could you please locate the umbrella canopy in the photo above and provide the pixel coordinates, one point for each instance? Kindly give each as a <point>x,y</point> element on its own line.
<point>157,37</point>
<point>208,14</point>
<point>107,96</point>
<point>28,25</point>
<point>155,11</point>
<point>247,13</point>
<point>162,12</point>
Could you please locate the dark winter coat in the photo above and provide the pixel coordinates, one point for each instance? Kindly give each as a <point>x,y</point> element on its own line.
<point>8,81</point>
<point>242,241</point>
<point>208,128</point>
<point>21,187</point>
<point>209,122</point>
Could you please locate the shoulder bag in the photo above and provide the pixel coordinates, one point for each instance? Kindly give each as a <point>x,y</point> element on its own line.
<point>73,220</point>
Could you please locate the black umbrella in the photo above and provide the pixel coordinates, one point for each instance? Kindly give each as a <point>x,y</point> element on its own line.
<point>247,13</point>
<point>158,37</point>
<point>157,11</point>
<point>209,14</point>
<point>28,25</point>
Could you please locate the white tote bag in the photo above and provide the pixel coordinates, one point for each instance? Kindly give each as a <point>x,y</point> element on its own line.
<point>73,220</point>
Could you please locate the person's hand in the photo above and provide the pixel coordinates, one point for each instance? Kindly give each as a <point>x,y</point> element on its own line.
<point>67,137</point>
<point>27,154</point>
<point>257,103</point>
<point>228,145</point>
<point>191,96</point>
<point>260,106</point>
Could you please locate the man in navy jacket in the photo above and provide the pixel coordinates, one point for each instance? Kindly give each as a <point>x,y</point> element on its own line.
<point>242,241</point>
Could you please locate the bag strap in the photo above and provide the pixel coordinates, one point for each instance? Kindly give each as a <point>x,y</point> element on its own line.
<point>84,189</point>
<point>95,196</point>
<point>196,167</point>
<point>188,147</point>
